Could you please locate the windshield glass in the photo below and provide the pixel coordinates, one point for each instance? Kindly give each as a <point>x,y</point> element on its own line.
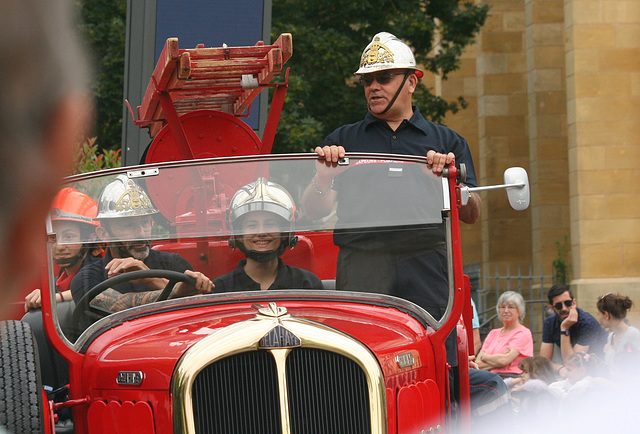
<point>212,214</point>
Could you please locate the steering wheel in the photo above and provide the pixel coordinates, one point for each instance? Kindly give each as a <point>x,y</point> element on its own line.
<point>85,314</point>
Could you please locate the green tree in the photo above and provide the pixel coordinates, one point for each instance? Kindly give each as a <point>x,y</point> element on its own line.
<point>328,39</point>
<point>104,31</point>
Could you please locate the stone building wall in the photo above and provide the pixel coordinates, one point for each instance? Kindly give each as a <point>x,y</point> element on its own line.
<point>554,86</point>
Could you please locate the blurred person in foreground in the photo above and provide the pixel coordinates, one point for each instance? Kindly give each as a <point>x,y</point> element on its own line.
<point>44,108</point>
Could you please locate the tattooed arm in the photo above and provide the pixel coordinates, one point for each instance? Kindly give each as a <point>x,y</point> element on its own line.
<point>115,301</point>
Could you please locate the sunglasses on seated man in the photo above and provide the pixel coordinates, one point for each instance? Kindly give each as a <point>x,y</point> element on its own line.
<point>567,303</point>
<point>383,77</point>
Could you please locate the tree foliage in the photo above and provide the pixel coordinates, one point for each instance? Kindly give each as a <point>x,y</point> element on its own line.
<point>328,39</point>
<point>103,28</point>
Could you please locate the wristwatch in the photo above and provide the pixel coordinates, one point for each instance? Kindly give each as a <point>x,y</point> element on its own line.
<point>566,332</point>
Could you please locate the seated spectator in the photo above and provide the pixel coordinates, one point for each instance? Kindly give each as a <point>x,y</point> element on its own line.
<point>570,330</point>
<point>261,217</point>
<point>623,338</point>
<point>580,371</point>
<point>504,348</point>
<point>530,393</point>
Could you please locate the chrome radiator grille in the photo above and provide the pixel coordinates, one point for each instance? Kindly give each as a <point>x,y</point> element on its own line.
<point>327,393</point>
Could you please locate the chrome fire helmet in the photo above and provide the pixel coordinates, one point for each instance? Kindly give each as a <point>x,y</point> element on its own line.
<point>263,195</point>
<point>123,197</point>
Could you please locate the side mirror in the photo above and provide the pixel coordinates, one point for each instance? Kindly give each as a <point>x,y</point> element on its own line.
<point>517,182</point>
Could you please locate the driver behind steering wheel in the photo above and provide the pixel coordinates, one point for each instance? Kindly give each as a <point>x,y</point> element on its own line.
<point>126,215</point>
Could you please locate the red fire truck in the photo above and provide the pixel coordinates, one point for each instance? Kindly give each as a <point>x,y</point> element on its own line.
<point>295,360</point>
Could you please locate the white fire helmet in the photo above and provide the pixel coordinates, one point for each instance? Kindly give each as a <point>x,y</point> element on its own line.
<point>387,52</point>
<point>263,195</point>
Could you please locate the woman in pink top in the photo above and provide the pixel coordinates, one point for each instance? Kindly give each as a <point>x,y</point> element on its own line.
<point>504,348</point>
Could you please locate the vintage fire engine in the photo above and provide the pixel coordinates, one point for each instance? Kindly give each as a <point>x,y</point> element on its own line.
<point>286,361</point>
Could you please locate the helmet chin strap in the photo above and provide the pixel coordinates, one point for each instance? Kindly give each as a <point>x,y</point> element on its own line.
<point>72,261</point>
<point>393,100</point>
<point>262,256</point>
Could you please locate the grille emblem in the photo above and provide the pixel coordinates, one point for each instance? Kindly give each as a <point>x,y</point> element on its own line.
<point>405,360</point>
<point>130,378</point>
<point>279,337</point>
<point>272,310</point>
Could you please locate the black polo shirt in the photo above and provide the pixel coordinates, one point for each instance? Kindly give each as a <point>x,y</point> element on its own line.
<point>415,136</point>
<point>288,278</point>
<point>95,273</point>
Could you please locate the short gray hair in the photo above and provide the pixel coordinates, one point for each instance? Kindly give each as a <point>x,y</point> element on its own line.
<point>515,298</point>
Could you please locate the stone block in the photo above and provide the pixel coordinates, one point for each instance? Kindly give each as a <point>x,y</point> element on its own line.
<point>507,6</point>
<point>555,146</point>
<point>605,133</point>
<point>631,254</point>
<point>513,21</point>
<point>551,103</point>
<point>495,105</point>
<point>517,62</point>
<point>493,64</point>
<point>550,125</point>
<point>545,80</point>
<point>622,156</point>
<point>606,109</point>
<point>549,57</point>
<point>602,182</point>
<point>601,260</point>
<point>505,125</point>
<point>586,12</point>
<point>584,60</point>
<point>609,231</point>
<point>635,83</point>
<point>547,11</point>
<point>619,60</point>
<point>548,34</point>
<point>590,158</point>
<point>503,84</point>
<point>621,11</point>
<point>628,35</point>
<point>502,42</point>
<point>602,85</point>
<point>589,36</point>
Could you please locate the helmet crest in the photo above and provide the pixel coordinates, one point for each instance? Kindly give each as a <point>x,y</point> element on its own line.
<point>123,197</point>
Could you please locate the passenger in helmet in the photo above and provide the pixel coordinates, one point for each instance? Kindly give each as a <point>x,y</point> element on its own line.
<point>261,217</point>
<point>72,217</point>
<point>126,215</point>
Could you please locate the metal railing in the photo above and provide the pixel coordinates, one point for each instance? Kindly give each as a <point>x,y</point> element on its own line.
<point>532,287</point>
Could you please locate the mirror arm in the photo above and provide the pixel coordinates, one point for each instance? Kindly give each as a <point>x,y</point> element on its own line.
<point>465,191</point>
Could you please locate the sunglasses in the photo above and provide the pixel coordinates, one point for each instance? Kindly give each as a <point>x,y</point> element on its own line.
<point>380,77</point>
<point>567,303</point>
